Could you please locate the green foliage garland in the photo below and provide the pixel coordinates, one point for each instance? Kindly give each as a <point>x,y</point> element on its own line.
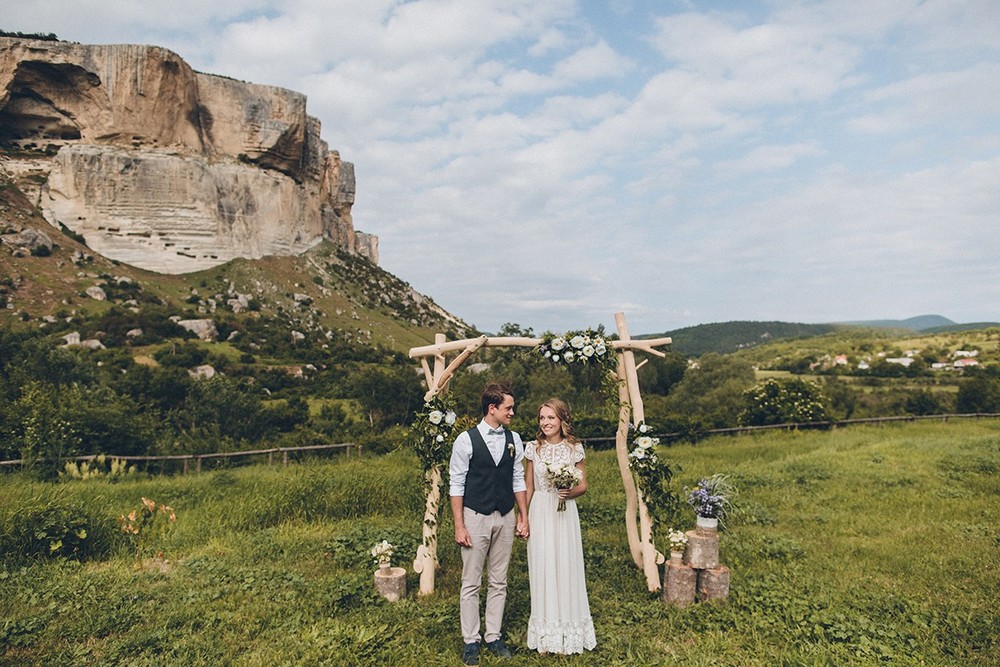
<point>653,476</point>
<point>431,432</point>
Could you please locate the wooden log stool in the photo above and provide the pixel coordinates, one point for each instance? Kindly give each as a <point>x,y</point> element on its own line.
<point>679,583</point>
<point>713,584</point>
<point>702,551</point>
<point>390,582</point>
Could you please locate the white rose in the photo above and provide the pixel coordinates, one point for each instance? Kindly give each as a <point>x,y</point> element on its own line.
<point>643,428</point>
<point>435,416</point>
<point>555,357</point>
<point>568,355</point>
<point>577,342</point>
<point>600,348</point>
<point>449,418</point>
<point>557,344</point>
<point>588,351</point>
<point>644,441</point>
<point>439,438</point>
<point>639,453</point>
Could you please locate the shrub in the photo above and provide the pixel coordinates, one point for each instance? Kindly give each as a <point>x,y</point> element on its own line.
<point>56,528</point>
<point>793,401</point>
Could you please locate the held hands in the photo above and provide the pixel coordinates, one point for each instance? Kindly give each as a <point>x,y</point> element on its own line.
<point>522,529</point>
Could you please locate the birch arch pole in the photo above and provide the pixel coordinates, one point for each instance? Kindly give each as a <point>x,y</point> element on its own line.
<point>440,373</point>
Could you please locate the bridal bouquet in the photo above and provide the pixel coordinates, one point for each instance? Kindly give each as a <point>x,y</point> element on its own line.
<point>563,477</point>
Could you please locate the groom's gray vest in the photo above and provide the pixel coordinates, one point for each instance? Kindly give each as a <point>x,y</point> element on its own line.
<point>489,486</point>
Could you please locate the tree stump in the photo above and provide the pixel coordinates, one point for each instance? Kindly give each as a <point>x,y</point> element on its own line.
<point>391,583</point>
<point>679,582</point>
<point>702,551</point>
<point>713,584</point>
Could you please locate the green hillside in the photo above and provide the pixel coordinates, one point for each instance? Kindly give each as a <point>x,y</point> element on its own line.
<point>728,337</point>
<point>324,292</point>
<point>862,546</point>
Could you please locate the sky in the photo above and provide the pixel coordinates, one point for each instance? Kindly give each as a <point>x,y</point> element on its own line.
<point>551,163</point>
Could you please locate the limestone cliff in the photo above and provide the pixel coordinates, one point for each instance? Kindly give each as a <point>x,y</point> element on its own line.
<point>169,169</point>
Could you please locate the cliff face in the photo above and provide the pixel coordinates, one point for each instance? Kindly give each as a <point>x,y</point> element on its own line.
<point>168,169</point>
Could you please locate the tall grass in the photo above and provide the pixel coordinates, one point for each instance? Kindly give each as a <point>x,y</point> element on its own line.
<point>870,545</point>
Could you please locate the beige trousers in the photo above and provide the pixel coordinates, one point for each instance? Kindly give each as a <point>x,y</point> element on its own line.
<point>492,540</point>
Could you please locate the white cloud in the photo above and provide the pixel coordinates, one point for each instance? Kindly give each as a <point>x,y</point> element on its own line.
<point>549,163</point>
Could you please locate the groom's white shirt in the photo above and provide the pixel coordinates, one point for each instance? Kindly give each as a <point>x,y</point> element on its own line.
<point>461,453</point>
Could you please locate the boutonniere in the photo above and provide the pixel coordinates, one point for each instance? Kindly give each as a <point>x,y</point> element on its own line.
<point>510,448</point>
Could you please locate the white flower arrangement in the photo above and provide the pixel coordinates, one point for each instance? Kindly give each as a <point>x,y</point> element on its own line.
<point>581,347</point>
<point>382,552</point>
<point>678,540</point>
<point>563,477</point>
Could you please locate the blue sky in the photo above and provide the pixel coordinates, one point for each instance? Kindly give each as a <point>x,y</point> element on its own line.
<point>553,163</point>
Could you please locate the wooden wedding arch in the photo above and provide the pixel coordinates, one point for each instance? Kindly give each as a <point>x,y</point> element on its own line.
<point>637,520</point>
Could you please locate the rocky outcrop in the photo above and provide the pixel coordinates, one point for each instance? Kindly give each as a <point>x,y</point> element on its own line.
<point>169,169</point>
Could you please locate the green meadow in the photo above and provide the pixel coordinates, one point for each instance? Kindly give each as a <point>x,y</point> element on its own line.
<point>859,546</point>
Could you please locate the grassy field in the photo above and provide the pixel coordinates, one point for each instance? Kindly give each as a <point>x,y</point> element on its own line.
<point>863,546</point>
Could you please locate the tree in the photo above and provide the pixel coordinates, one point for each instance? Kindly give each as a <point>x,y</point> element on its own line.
<point>388,396</point>
<point>223,408</point>
<point>659,375</point>
<point>711,392</point>
<point>786,401</point>
<point>980,393</point>
<point>842,399</point>
<point>923,402</point>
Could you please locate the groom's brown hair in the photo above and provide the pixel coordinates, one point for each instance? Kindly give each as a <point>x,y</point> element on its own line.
<point>493,394</point>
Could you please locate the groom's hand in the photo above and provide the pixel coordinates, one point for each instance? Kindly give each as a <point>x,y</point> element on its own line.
<point>522,529</point>
<point>462,537</point>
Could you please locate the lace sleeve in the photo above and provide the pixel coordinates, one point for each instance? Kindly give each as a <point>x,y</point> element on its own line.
<point>578,454</point>
<point>529,450</point>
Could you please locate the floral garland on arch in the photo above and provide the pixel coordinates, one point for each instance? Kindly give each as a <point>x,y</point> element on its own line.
<point>579,349</point>
<point>431,432</point>
<point>653,475</point>
<point>576,347</point>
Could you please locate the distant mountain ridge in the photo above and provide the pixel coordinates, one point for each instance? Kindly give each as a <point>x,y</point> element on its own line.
<point>729,337</point>
<point>918,323</point>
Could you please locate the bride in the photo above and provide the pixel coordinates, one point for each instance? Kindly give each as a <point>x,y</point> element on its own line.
<point>560,619</point>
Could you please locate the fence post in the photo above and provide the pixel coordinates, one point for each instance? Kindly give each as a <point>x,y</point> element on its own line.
<point>198,463</point>
<point>284,456</point>
<point>185,471</point>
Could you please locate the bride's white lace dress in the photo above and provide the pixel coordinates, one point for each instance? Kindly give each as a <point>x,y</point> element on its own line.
<point>560,619</point>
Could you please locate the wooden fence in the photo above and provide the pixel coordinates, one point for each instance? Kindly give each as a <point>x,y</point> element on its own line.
<point>350,447</point>
<point>824,425</point>
<point>186,459</point>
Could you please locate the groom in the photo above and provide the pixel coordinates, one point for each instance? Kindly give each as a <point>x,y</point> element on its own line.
<point>487,480</point>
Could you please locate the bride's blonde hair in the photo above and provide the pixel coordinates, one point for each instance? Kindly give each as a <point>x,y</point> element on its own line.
<point>558,406</point>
